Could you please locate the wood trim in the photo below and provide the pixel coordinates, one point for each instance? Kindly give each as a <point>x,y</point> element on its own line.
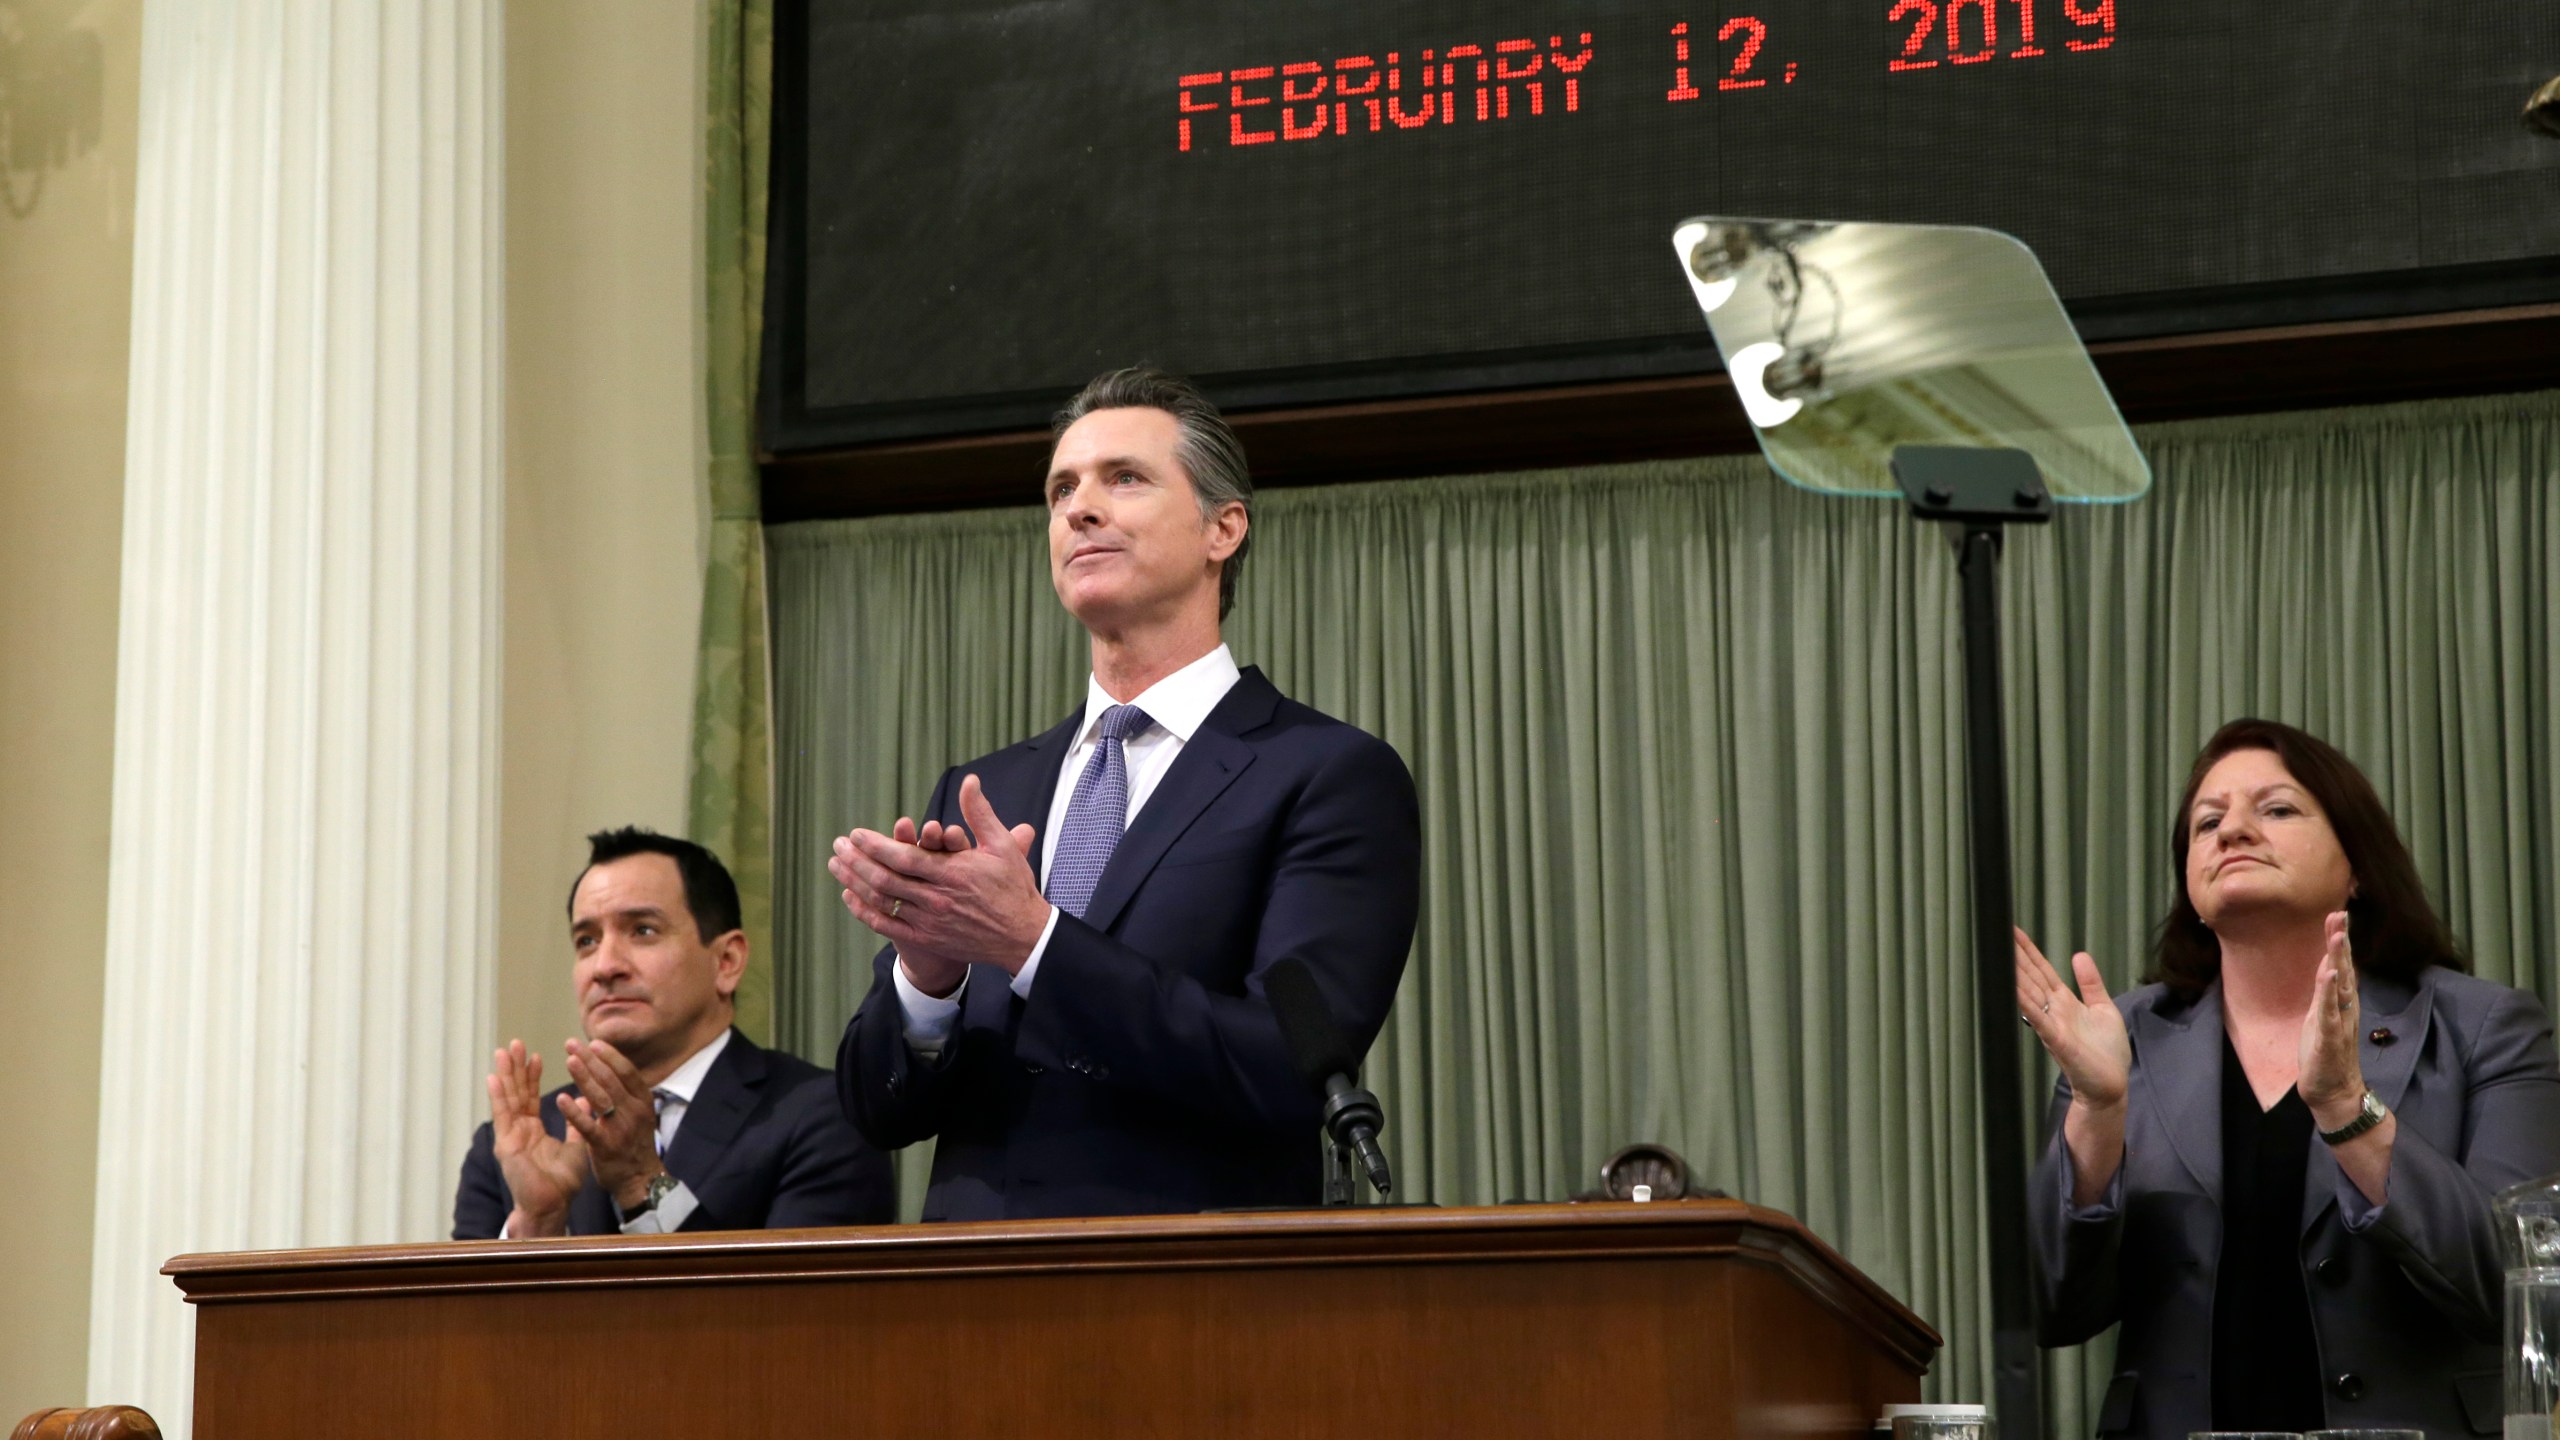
<point>2228,372</point>
<point>104,1422</point>
<point>1364,1237</point>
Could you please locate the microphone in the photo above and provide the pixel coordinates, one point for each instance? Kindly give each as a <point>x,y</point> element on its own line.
<point>1323,1055</point>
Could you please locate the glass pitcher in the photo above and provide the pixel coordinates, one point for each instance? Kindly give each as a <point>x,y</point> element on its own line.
<point>2528,1221</point>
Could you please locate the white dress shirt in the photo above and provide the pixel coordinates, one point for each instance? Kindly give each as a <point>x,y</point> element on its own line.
<point>1177,705</point>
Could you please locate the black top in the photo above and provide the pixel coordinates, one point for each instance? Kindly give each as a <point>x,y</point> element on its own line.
<point>2266,1361</point>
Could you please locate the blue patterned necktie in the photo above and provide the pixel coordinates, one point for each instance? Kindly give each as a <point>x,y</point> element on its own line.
<point>1096,814</point>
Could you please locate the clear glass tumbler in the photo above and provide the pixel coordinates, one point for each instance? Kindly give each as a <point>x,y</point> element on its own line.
<point>2528,1220</point>
<point>1976,1426</point>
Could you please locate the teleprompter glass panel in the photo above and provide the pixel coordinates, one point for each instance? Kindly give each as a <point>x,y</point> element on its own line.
<point>1847,339</point>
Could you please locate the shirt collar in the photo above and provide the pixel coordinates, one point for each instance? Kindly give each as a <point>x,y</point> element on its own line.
<point>1180,702</point>
<point>688,1076</point>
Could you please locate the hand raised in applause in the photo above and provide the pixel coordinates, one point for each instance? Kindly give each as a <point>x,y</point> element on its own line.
<point>944,902</point>
<point>541,1172</point>
<point>931,973</point>
<point>616,1114</point>
<point>2329,1070</point>
<point>2084,1032</point>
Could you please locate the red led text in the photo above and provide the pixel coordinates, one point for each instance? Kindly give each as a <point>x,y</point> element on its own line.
<point>1738,63</point>
<point>1376,95</point>
<point>1970,32</point>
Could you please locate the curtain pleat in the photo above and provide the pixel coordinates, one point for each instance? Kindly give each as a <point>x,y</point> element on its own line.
<point>729,771</point>
<point>1689,744</point>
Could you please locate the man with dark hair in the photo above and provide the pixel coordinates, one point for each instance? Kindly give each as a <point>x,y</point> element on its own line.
<point>1075,1006</point>
<point>673,1120</point>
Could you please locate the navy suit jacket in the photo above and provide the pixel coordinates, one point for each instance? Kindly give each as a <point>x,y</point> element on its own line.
<point>763,1146</point>
<point>2405,1299</point>
<point>1146,1073</point>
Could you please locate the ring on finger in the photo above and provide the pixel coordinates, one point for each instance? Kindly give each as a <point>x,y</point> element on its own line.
<point>897,905</point>
<point>607,1112</point>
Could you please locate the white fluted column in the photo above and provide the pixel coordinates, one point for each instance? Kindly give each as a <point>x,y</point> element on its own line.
<point>301,890</point>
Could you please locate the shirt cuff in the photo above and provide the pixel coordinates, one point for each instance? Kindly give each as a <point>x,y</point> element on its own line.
<point>930,1018</point>
<point>1022,977</point>
<point>665,1218</point>
<point>2354,1211</point>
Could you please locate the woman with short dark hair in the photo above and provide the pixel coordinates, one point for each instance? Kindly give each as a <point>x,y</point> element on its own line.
<point>2273,1164</point>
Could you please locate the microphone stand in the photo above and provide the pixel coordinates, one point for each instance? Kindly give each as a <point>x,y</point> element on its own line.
<point>1326,1059</point>
<point>1352,1120</point>
<point>1337,1173</point>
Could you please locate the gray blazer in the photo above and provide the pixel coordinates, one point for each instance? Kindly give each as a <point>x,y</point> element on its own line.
<point>2407,1299</point>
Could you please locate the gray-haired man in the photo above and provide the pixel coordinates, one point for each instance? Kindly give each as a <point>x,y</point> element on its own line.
<point>1074,1005</point>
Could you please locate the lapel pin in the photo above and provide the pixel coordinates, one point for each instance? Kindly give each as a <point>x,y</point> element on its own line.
<point>2382,1035</point>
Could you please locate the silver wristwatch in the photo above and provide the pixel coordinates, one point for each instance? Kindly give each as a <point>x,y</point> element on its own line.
<point>661,1185</point>
<point>2371,1115</point>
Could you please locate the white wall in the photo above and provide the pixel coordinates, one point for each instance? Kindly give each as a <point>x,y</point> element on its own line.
<point>606,518</point>
<point>605,532</point>
<point>65,281</point>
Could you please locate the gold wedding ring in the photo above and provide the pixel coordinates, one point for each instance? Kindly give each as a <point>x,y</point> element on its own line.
<point>895,906</point>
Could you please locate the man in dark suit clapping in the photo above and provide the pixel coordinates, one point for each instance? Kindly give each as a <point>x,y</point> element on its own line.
<point>674,1120</point>
<point>1072,999</point>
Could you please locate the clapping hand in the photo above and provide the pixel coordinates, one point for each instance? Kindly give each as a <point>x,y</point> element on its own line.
<point>2329,1071</point>
<point>933,974</point>
<point>616,1115</point>
<point>944,902</point>
<point>541,1172</point>
<point>2084,1032</point>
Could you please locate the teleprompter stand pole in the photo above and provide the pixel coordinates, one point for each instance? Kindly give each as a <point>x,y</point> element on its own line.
<point>1980,492</point>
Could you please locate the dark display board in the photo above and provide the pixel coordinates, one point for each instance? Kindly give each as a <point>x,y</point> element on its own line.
<point>977,205</point>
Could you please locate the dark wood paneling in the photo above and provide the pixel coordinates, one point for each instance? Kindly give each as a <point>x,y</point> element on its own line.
<point>1709,1318</point>
<point>2231,372</point>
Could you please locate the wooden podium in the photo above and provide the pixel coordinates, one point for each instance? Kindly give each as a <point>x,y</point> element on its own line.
<point>1697,1318</point>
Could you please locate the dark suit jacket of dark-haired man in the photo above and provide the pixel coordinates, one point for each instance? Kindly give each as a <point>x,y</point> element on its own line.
<point>763,1146</point>
<point>1146,1073</point>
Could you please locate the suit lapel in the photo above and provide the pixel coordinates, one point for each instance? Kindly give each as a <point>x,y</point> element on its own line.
<point>717,1112</point>
<point>2403,1012</point>
<point>1208,764</point>
<point>2181,1075</point>
<point>2382,1006</point>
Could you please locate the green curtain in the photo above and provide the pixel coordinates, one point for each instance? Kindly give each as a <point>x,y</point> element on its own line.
<point>729,789</point>
<point>1689,745</point>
